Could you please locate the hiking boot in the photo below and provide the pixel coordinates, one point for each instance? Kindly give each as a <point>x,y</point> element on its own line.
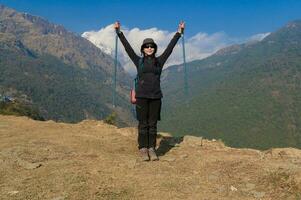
<point>144,154</point>
<point>152,154</point>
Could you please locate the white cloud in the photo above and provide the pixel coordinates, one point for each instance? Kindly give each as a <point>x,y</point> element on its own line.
<point>258,37</point>
<point>198,46</point>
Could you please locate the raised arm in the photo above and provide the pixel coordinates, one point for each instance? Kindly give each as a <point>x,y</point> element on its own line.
<point>164,56</point>
<point>134,57</point>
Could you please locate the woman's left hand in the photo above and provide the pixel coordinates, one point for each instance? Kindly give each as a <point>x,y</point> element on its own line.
<point>181,27</point>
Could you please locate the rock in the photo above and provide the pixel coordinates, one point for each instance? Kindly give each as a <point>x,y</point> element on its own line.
<point>258,195</point>
<point>233,189</point>
<point>283,153</point>
<point>13,192</point>
<point>193,140</point>
<point>9,153</point>
<point>28,165</point>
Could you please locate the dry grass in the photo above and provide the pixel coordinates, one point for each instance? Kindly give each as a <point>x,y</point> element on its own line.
<point>94,160</point>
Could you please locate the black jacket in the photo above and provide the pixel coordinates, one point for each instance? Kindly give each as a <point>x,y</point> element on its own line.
<point>149,76</point>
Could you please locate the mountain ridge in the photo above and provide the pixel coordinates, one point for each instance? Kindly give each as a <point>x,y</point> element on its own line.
<point>78,74</point>
<point>248,92</point>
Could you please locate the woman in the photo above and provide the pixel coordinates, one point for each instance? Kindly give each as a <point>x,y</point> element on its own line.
<point>148,91</point>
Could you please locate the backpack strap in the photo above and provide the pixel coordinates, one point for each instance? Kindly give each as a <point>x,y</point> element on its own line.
<point>140,66</point>
<point>139,72</point>
<point>158,68</point>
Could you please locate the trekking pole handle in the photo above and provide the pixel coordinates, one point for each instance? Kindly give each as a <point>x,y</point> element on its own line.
<point>181,27</point>
<point>117,26</point>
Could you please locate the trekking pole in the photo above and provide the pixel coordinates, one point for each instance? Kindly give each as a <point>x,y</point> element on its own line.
<point>115,71</point>
<point>184,64</point>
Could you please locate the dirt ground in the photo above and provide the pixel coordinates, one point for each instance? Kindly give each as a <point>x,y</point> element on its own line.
<point>93,160</point>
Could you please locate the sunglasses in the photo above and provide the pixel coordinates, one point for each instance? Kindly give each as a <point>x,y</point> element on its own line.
<point>149,46</point>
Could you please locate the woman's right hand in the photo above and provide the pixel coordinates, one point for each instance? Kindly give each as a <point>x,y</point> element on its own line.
<point>181,27</point>
<point>117,25</point>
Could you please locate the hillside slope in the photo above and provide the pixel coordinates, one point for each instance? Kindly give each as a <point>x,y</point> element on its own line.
<point>248,95</point>
<point>64,75</point>
<point>93,160</point>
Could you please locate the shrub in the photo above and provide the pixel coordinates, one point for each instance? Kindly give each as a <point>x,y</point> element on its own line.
<point>111,119</point>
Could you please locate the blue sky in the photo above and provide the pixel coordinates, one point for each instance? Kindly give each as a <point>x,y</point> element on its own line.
<point>210,24</point>
<point>237,18</point>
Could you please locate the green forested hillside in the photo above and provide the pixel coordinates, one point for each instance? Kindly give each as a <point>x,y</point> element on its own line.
<point>18,108</point>
<point>247,95</point>
<point>62,92</point>
<point>62,74</point>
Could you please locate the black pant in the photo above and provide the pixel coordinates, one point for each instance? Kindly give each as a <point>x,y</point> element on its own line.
<point>148,114</point>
